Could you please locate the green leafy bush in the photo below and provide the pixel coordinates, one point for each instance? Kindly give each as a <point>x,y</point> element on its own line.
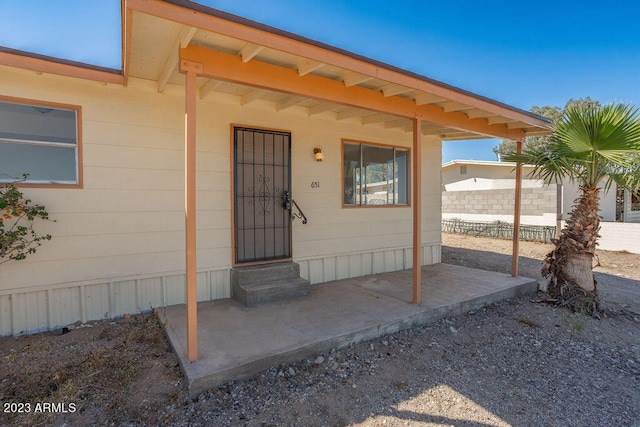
<point>17,216</point>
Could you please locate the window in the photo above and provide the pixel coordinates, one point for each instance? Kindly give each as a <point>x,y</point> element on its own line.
<point>41,140</point>
<point>463,170</point>
<point>375,175</point>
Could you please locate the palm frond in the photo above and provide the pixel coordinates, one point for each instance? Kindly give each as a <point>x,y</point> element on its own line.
<point>590,143</point>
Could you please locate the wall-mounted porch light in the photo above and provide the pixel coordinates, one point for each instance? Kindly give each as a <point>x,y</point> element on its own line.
<point>318,154</point>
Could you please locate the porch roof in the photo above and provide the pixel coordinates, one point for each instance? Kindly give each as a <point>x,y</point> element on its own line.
<point>237,53</point>
<point>158,29</point>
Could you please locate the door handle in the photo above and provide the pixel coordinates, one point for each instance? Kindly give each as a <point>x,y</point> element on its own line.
<point>286,200</point>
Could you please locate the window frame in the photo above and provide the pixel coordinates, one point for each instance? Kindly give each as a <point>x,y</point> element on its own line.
<point>375,144</point>
<point>78,145</point>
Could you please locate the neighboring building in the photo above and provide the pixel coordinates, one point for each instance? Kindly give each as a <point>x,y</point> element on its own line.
<point>106,153</point>
<point>484,191</point>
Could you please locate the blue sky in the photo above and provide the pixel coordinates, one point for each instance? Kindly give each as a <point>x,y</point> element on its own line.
<point>520,53</point>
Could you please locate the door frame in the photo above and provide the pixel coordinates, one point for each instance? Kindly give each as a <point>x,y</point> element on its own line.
<point>232,172</point>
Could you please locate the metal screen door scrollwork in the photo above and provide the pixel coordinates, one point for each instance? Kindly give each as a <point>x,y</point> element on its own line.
<point>262,174</point>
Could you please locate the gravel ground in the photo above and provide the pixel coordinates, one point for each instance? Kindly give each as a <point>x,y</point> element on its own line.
<point>516,362</point>
<point>512,363</point>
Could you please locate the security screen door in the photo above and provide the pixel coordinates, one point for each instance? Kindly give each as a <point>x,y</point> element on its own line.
<point>262,174</point>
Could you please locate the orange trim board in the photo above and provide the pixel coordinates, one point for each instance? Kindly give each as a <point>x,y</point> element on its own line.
<point>417,212</point>
<point>227,67</point>
<point>190,215</point>
<point>51,66</point>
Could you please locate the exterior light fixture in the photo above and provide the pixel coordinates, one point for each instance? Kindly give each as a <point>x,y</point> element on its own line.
<point>318,153</point>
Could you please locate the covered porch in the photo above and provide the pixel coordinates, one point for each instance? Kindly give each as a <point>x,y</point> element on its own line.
<point>237,342</point>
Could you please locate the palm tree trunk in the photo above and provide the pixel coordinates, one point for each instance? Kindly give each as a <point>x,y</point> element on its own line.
<point>569,265</point>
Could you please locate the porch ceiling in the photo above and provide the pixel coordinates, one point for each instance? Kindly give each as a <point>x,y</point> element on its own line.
<point>156,30</point>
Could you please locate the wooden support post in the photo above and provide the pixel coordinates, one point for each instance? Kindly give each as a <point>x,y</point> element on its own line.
<point>516,214</point>
<point>417,209</point>
<point>191,71</point>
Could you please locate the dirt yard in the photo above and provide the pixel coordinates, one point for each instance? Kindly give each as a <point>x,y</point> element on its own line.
<point>512,363</point>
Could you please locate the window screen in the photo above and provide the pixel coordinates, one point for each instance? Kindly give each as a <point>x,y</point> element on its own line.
<point>40,141</point>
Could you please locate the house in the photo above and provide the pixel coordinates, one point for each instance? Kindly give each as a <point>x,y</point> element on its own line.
<point>201,153</point>
<point>483,191</point>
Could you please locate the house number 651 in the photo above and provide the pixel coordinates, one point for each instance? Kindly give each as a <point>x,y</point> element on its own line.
<point>315,184</point>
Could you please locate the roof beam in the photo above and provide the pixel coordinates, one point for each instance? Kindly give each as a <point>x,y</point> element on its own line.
<point>222,66</point>
<point>499,120</point>
<point>427,98</point>
<point>209,87</point>
<point>457,137</point>
<point>514,125</point>
<point>289,102</point>
<point>353,79</point>
<point>249,51</point>
<point>306,66</point>
<point>454,106</point>
<point>477,113</point>
<point>171,63</point>
<point>375,118</point>
<point>399,123</point>
<point>350,113</point>
<point>321,108</point>
<point>251,96</point>
<point>433,130</point>
<point>393,89</point>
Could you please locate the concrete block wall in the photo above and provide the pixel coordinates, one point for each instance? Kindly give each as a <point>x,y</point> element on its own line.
<point>535,201</point>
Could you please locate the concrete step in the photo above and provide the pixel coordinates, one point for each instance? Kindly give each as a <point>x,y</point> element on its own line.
<point>261,293</point>
<point>265,273</point>
<point>260,284</point>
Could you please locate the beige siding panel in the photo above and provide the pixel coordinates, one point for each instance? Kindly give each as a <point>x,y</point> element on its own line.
<point>316,271</point>
<point>6,314</point>
<point>96,301</point>
<point>124,298</point>
<point>64,306</point>
<point>150,293</point>
<point>345,266</point>
<point>329,271</point>
<point>30,312</point>
<point>176,292</point>
<point>75,224</point>
<point>112,178</point>
<point>220,284</point>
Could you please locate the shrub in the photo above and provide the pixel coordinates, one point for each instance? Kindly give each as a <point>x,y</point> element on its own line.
<point>18,237</point>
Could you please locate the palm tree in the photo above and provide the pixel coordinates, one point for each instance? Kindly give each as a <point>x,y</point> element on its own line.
<point>594,147</point>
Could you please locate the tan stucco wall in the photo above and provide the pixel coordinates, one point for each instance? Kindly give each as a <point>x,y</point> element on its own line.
<point>118,243</point>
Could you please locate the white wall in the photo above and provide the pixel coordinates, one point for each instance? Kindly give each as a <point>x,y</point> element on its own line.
<point>451,174</point>
<point>118,243</point>
<point>571,192</point>
<point>620,236</point>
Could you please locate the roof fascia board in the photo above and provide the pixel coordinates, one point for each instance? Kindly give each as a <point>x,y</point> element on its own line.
<point>45,64</point>
<point>223,66</point>
<point>127,29</point>
<point>233,26</point>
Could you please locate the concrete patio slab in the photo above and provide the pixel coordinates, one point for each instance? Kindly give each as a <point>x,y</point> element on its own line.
<point>237,342</point>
